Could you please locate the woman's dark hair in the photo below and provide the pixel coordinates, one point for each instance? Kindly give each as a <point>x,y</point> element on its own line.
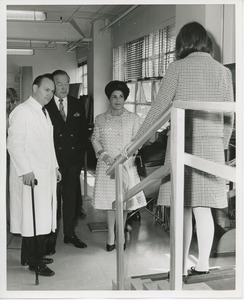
<point>117,85</point>
<point>192,37</point>
<point>38,79</point>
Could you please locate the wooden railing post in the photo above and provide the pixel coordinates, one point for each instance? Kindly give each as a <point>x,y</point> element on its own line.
<point>119,226</point>
<point>177,196</point>
<point>178,159</point>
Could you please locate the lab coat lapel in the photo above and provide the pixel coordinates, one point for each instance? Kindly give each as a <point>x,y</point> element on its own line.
<point>43,122</point>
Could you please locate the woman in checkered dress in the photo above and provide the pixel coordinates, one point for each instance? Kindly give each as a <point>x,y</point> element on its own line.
<point>196,76</point>
<point>113,130</point>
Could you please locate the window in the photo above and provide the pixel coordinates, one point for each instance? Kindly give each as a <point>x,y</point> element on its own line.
<point>142,64</point>
<point>119,63</point>
<point>82,68</point>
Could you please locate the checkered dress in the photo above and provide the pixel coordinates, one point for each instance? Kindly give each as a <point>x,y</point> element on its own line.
<point>112,134</point>
<point>198,77</point>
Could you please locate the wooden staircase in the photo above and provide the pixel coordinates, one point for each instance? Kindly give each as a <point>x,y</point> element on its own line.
<point>217,279</point>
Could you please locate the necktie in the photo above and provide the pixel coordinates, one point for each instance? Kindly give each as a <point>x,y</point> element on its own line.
<point>61,109</point>
<point>44,111</point>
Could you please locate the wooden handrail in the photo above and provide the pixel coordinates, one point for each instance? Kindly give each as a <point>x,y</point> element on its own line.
<point>156,175</point>
<point>160,173</point>
<point>141,141</point>
<point>175,112</point>
<point>206,106</point>
<point>222,171</point>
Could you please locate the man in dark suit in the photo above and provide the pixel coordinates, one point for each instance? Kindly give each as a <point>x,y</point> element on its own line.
<point>70,140</point>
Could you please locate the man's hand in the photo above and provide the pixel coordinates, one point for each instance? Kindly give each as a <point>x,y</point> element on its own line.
<point>29,179</point>
<point>58,175</point>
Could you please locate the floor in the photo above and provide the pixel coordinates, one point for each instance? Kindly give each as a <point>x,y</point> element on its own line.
<point>92,268</point>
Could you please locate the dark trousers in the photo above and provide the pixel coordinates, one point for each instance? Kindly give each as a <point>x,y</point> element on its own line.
<point>71,196</point>
<point>68,192</point>
<point>28,249</point>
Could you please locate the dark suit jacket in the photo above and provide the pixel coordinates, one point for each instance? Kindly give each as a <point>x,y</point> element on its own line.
<point>70,137</point>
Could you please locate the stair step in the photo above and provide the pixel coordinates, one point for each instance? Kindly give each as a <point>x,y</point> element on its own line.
<point>196,286</point>
<point>127,284</point>
<point>152,277</point>
<point>215,274</point>
<point>196,282</point>
<point>154,285</point>
<point>137,284</point>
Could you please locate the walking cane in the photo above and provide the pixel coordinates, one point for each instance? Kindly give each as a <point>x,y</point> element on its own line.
<point>34,227</point>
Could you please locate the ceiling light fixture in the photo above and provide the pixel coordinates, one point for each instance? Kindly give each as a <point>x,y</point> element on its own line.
<point>26,15</point>
<point>20,52</point>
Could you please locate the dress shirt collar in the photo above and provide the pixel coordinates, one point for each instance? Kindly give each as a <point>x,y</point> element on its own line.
<point>57,100</point>
<point>65,103</point>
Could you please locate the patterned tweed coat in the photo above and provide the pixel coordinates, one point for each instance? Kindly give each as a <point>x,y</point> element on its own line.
<point>198,77</point>
<point>112,134</point>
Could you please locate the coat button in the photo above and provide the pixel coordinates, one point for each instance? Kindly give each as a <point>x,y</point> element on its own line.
<point>73,148</point>
<point>71,135</point>
<point>59,148</point>
<point>60,135</point>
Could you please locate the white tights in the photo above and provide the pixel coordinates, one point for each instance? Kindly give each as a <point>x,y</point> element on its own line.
<point>111,225</point>
<point>205,234</point>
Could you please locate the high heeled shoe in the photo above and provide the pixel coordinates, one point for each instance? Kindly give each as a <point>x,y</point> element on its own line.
<point>110,248</point>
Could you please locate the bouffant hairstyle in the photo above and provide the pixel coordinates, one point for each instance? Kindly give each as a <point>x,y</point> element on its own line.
<point>192,38</point>
<point>117,85</point>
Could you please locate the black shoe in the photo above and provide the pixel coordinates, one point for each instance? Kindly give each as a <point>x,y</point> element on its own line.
<point>110,248</point>
<point>42,270</point>
<point>45,260</point>
<point>193,271</point>
<point>75,241</point>
<point>81,213</point>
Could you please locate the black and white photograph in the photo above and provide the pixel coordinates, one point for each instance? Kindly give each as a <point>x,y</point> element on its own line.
<point>121,149</point>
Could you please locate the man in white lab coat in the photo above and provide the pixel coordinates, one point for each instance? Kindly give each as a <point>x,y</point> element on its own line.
<point>32,156</point>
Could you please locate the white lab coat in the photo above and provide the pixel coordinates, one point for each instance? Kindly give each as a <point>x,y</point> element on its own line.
<point>31,148</point>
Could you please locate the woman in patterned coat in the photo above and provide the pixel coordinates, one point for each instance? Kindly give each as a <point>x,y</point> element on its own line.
<point>113,130</point>
<point>196,76</point>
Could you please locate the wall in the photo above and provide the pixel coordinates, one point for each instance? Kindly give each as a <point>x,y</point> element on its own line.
<point>102,66</point>
<point>229,41</point>
<point>218,20</point>
<point>145,19</point>
<point>189,13</point>
<point>44,61</point>
<point>141,21</point>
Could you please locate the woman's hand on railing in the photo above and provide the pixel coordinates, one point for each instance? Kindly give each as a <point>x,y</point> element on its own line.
<point>124,152</point>
<point>107,159</point>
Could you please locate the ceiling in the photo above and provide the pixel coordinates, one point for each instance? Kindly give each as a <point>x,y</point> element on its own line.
<point>69,25</point>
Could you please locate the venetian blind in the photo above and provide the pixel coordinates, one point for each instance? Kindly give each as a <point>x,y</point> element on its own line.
<point>134,54</point>
<point>119,66</point>
<point>146,57</point>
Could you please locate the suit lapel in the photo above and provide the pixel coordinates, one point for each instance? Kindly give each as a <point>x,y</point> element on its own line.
<point>71,108</point>
<point>54,112</point>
